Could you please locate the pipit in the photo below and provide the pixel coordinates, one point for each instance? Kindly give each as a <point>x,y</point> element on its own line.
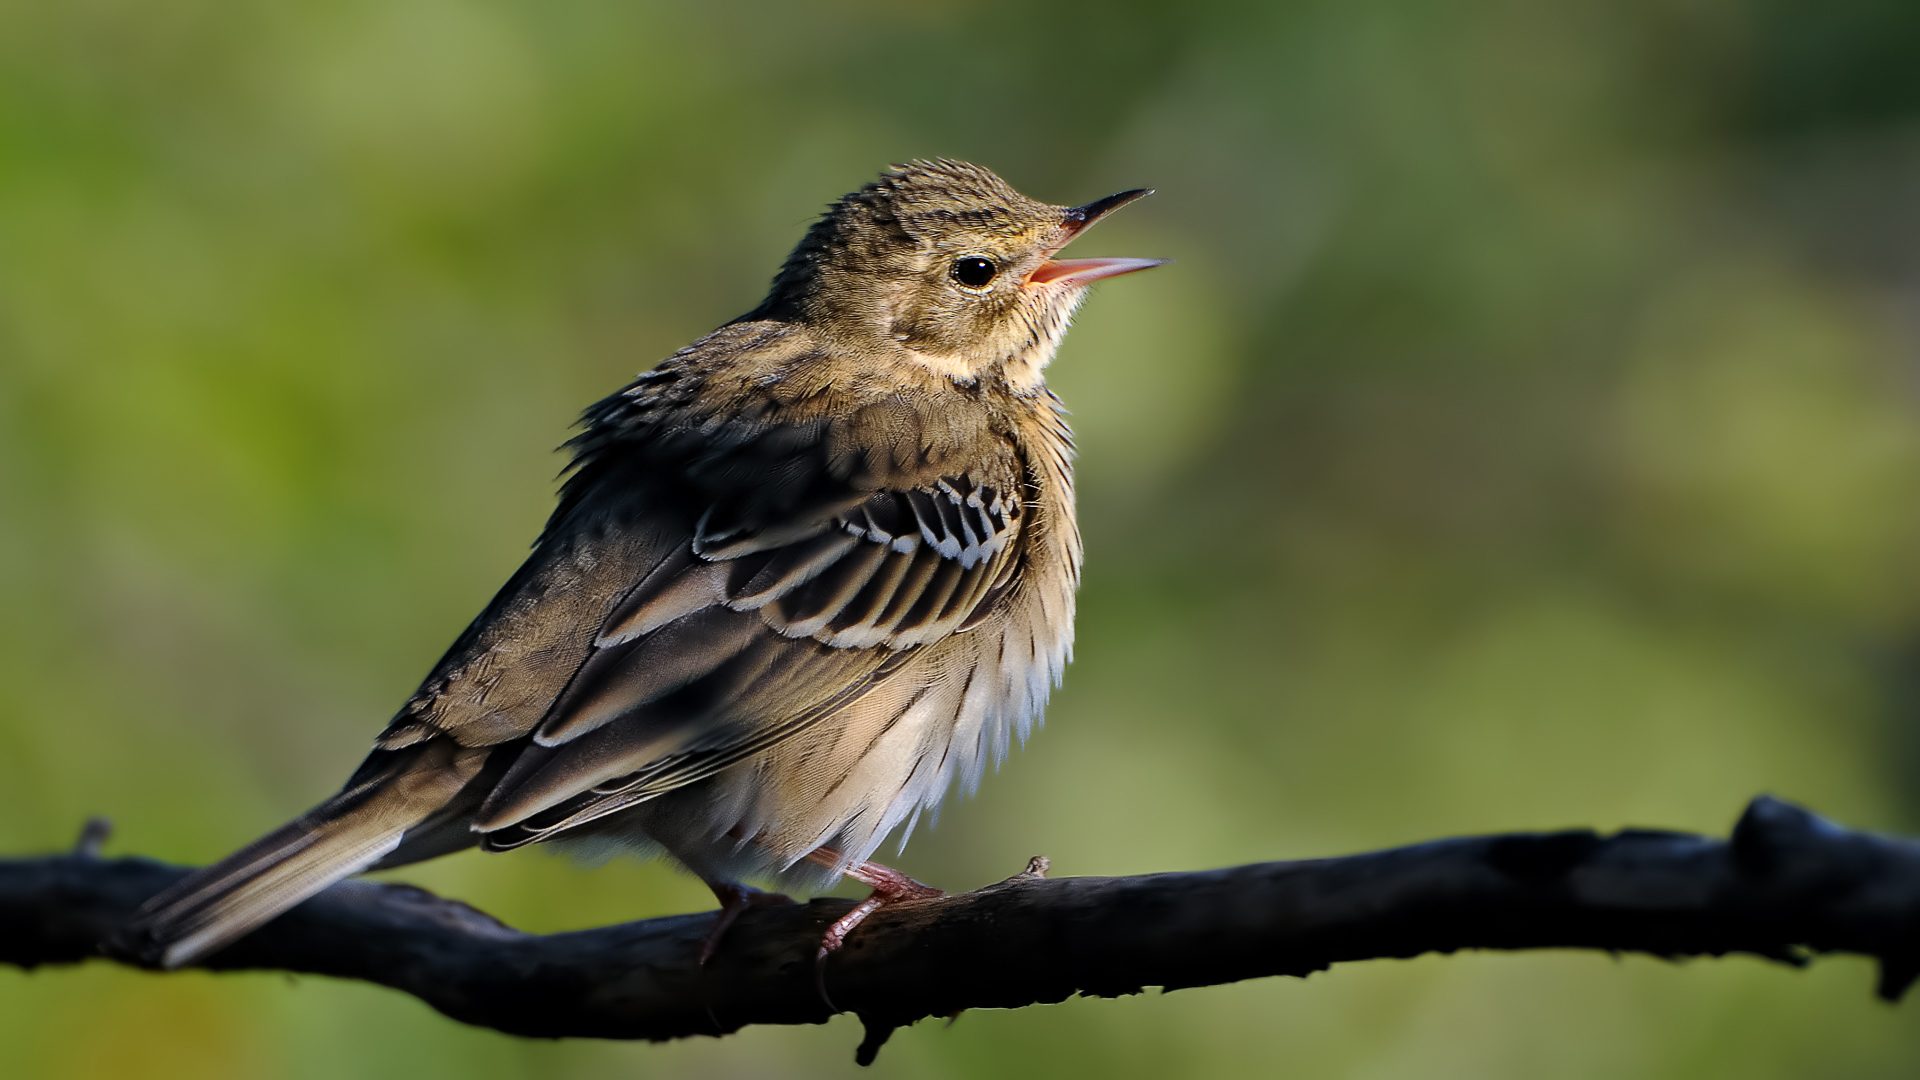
<point>803,575</point>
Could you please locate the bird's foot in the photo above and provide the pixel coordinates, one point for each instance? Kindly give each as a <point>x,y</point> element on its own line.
<point>734,899</point>
<point>889,886</point>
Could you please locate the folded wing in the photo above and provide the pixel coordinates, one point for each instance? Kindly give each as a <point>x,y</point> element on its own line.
<point>742,639</point>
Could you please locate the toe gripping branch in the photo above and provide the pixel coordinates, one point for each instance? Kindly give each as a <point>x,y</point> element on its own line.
<point>1787,885</point>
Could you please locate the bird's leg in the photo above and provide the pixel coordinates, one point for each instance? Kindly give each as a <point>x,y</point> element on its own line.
<point>734,898</point>
<point>888,885</point>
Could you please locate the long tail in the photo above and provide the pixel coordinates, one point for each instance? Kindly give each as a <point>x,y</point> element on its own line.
<point>393,793</point>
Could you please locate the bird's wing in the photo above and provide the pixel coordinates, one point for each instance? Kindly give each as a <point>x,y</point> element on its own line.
<point>747,547</point>
<point>745,637</point>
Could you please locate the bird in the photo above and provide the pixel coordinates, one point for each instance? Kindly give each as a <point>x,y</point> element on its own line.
<point>803,577</point>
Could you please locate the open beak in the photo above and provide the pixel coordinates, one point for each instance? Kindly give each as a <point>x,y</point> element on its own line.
<point>1087,271</point>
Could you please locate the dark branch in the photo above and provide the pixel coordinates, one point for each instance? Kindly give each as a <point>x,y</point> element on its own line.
<point>1786,885</point>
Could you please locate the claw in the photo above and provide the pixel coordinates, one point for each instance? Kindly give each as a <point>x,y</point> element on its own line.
<point>889,886</point>
<point>836,934</point>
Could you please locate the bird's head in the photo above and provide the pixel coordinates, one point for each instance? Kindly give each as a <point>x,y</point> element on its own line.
<point>947,262</point>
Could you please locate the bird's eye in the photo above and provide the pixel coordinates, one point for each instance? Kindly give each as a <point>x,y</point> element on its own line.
<point>973,271</point>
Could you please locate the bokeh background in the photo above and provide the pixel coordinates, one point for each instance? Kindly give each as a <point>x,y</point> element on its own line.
<point>1527,436</point>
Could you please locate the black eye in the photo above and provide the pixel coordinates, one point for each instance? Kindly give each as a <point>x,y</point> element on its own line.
<point>973,271</point>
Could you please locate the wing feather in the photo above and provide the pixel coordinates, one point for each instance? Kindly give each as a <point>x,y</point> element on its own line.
<point>680,586</point>
<point>793,568</point>
<point>730,648</point>
<point>615,681</point>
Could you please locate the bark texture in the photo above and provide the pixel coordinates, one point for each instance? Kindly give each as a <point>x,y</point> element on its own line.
<point>1786,885</point>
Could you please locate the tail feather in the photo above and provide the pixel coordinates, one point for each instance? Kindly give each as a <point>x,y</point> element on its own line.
<point>342,836</point>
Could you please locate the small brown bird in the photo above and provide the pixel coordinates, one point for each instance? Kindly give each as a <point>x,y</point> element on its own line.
<point>804,575</point>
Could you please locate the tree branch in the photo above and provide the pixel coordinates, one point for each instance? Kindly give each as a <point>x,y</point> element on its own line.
<point>1786,885</point>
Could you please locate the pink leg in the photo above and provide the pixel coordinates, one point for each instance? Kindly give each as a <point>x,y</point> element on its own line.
<point>888,885</point>
<point>734,899</point>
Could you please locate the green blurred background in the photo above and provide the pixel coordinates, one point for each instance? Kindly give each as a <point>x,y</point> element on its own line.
<point>1527,436</point>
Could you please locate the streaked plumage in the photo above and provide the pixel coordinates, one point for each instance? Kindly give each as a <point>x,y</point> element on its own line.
<point>804,575</point>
